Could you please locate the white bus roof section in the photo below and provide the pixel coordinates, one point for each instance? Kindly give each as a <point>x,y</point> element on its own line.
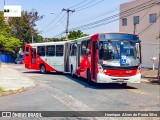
<point>79,40</point>
<point>49,43</point>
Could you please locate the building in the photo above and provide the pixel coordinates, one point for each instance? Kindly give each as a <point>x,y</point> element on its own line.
<point>142,17</point>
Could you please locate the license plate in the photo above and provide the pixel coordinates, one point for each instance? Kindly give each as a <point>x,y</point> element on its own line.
<point>120,79</point>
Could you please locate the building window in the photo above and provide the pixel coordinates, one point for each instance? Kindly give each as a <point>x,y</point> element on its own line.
<point>136,20</point>
<point>50,50</point>
<point>59,50</point>
<point>152,18</point>
<point>41,50</point>
<point>124,22</point>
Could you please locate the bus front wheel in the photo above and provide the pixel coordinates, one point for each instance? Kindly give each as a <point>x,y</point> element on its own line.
<point>90,82</point>
<point>43,69</point>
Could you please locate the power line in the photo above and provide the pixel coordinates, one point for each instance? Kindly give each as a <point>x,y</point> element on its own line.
<point>48,25</point>
<point>55,24</point>
<point>141,19</point>
<point>90,5</point>
<point>72,7</point>
<point>110,11</point>
<point>122,15</point>
<point>114,9</point>
<point>78,4</point>
<point>147,26</point>
<point>51,21</point>
<point>84,5</point>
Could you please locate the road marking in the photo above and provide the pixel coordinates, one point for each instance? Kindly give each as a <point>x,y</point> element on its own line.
<point>137,91</point>
<point>69,100</point>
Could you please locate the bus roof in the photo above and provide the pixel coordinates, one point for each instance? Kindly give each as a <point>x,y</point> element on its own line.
<point>79,39</point>
<point>90,36</point>
<point>49,43</point>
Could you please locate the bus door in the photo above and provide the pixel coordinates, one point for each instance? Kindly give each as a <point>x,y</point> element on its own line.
<point>94,60</point>
<point>66,56</point>
<point>73,56</point>
<point>33,58</point>
<point>78,55</point>
<point>27,57</point>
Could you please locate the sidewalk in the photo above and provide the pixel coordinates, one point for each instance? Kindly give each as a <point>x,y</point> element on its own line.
<point>12,80</point>
<point>149,75</point>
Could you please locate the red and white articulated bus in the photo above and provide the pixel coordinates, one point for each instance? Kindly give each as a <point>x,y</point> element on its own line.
<point>100,58</point>
<point>48,56</point>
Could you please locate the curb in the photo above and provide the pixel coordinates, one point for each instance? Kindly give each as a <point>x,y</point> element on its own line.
<point>18,91</point>
<point>145,80</point>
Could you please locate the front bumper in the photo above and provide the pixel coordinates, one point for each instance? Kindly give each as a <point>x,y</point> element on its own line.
<point>102,78</point>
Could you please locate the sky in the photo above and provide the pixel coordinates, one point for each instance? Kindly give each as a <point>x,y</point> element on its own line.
<point>50,9</point>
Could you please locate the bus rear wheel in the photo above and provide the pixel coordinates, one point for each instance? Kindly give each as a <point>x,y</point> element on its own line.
<point>90,82</point>
<point>43,69</point>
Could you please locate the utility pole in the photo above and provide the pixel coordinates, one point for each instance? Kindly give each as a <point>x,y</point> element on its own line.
<point>32,35</point>
<point>68,11</point>
<point>4,3</point>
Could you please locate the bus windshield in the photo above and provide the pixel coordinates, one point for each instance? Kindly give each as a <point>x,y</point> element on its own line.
<point>119,53</point>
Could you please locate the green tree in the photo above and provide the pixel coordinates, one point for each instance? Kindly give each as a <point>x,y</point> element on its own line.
<point>8,43</point>
<point>72,35</point>
<point>76,34</point>
<point>24,27</point>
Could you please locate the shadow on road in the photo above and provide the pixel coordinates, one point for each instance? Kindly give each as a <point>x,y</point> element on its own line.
<point>83,82</point>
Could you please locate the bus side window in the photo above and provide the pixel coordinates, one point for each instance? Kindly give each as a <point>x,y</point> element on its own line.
<point>50,50</point>
<point>84,48</point>
<point>41,50</point>
<point>59,50</point>
<point>88,47</point>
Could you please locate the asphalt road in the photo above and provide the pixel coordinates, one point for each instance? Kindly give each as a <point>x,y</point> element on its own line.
<point>60,92</point>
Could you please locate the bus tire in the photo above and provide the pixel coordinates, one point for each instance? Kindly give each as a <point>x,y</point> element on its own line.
<point>90,82</point>
<point>124,84</point>
<point>43,69</point>
<point>72,73</point>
